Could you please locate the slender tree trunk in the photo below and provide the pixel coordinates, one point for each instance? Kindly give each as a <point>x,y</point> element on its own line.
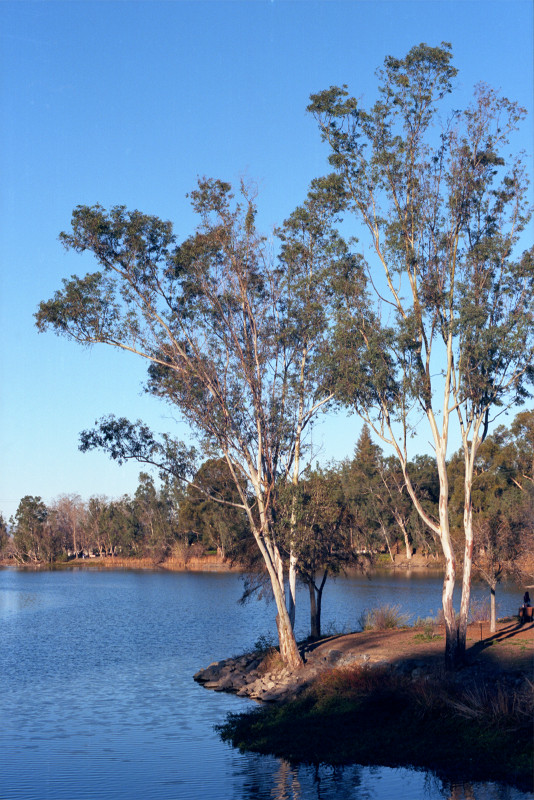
<point>314,623</point>
<point>451,628</point>
<point>386,537</point>
<point>292,598</point>
<point>293,560</point>
<point>288,645</point>
<point>275,567</point>
<point>469,456</point>
<point>493,620</point>
<point>319,590</point>
<point>466,579</point>
<point>407,543</point>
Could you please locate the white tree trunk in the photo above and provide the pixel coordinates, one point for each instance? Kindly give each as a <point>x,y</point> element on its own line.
<point>493,619</point>
<point>451,628</point>
<point>292,599</point>
<point>407,543</point>
<point>467,573</point>
<point>386,537</point>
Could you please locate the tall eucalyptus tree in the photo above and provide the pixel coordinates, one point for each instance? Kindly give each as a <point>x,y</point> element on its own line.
<point>210,316</point>
<point>448,330</point>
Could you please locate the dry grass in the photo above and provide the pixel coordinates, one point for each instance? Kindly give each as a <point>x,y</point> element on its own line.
<point>496,702</point>
<point>271,662</point>
<point>383,618</point>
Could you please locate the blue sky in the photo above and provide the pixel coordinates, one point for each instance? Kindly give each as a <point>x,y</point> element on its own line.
<point>126,103</point>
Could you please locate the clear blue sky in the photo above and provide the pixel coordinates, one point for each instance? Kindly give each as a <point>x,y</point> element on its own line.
<point>126,103</point>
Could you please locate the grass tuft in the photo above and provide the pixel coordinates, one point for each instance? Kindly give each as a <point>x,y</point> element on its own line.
<point>387,617</point>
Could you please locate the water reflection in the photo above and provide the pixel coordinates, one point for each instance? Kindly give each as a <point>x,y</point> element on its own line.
<point>274,779</point>
<point>478,791</point>
<point>12,602</point>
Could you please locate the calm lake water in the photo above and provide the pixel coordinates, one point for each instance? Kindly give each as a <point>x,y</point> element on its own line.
<point>97,700</point>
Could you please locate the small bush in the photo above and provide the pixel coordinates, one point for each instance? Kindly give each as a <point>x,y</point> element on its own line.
<point>428,633</point>
<point>271,660</point>
<point>263,645</point>
<point>384,618</point>
<point>479,611</point>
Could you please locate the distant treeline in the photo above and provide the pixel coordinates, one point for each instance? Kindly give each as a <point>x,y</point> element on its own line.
<point>352,510</point>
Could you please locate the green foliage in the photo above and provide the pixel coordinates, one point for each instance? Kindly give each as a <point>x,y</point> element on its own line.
<point>4,538</point>
<point>444,214</point>
<point>312,514</point>
<point>501,498</point>
<point>212,510</point>
<point>436,321</point>
<point>34,538</point>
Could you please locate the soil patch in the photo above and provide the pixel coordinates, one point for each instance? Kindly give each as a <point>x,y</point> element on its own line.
<point>509,649</point>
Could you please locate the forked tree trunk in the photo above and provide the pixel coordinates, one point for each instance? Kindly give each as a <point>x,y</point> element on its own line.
<point>286,638</point>
<point>275,567</point>
<point>314,622</point>
<point>316,604</point>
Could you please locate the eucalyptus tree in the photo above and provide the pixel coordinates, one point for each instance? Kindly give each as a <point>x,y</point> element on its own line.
<point>68,518</point>
<point>34,538</point>
<point>447,333</point>
<point>210,317</point>
<point>93,529</point>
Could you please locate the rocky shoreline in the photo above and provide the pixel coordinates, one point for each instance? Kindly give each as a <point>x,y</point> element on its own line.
<point>264,678</point>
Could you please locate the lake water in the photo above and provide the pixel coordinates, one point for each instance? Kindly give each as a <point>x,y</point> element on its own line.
<point>97,700</point>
